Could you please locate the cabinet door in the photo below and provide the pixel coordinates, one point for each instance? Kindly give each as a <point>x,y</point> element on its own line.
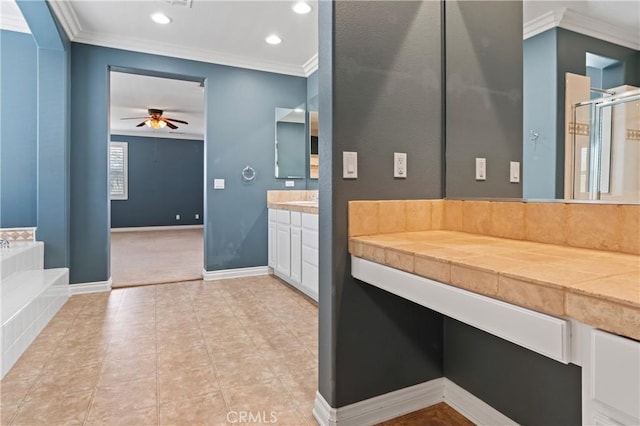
<point>296,254</point>
<point>272,239</point>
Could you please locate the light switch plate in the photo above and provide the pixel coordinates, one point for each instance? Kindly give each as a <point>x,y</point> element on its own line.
<point>514,172</point>
<point>289,183</point>
<point>399,164</point>
<point>481,169</point>
<point>349,165</point>
<point>218,184</point>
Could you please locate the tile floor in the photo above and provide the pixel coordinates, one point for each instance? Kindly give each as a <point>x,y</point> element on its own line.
<point>186,353</point>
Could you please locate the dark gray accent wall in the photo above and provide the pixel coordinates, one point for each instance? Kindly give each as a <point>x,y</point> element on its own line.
<point>18,136</point>
<point>236,217</point>
<point>483,96</point>
<point>165,178</point>
<point>539,163</point>
<point>529,388</point>
<point>379,90</point>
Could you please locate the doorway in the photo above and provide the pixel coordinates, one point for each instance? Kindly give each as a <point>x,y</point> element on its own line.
<point>156,169</point>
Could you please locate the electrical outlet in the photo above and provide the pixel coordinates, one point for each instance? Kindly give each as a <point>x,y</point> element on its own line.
<point>177,217</point>
<point>481,169</point>
<point>289,183</point>
<point>218,184</point>
<point>400,164</point>
<point>349,165</point>
<point>197,216</point>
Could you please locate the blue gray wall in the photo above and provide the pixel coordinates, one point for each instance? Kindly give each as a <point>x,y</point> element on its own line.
<point>51,118</point>
<point>380,88</point>
<point>236,217</point>
<point>165,178</point>
<point>539,115</point>
<point>566,53</point>
<point>18,136</point>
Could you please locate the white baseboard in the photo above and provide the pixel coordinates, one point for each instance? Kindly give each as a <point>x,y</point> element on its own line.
<point>404,401</point>
<point>225,274</point>
<point>380,408</point>
<point>94,287</point>
<point>472,407</point>
<point>157,228</point>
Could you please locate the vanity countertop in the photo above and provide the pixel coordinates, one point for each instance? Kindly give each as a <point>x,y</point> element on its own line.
<point>301,206</point>
<point>596,287</point>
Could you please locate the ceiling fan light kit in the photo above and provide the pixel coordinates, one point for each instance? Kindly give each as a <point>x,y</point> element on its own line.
<point>157,121</point>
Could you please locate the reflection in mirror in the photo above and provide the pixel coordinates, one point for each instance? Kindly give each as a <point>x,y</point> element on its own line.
<point>290,143</point>
<point>313,144</point>
<point>581,119</point>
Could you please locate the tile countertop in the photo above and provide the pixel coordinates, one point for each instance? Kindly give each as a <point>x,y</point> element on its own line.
<point>598,288</point>
<point>295,206</point>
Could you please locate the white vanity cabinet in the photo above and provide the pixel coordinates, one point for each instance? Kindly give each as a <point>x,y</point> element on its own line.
<point>293,249</point>
<point>611,379</point>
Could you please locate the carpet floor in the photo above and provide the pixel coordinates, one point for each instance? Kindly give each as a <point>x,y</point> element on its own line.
<point>152,257</point>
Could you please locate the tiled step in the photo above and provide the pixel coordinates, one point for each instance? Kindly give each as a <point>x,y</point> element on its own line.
<point>29,299</point>
<point>21,256</point>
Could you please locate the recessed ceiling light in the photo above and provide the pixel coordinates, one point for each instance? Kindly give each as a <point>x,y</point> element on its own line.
<point>160,18</point>
<point>301,8</point>
<point>273,39</point>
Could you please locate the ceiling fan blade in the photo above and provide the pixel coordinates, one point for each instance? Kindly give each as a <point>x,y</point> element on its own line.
<point>171,126</point>
<point>134,118</point>
<point>176,120</point>
<point>142,124</point>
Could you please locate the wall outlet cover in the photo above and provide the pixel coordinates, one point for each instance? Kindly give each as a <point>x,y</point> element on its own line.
<point>349,165</point>
<point>218,184</point>
<point>289,183</point>
<point>399,164</point>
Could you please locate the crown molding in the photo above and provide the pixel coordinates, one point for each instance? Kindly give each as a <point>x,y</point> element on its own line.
<point>311,65</point>
<point>66,17</point>
<point>574,21</point>
<point>11,22</point>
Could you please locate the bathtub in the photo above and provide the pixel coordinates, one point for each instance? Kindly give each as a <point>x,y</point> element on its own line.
<point>29,297</point>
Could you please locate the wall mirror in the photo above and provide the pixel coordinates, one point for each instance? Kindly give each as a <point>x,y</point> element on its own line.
<point>587,53</point>
<point>313,145</point>
<point>290,143</point>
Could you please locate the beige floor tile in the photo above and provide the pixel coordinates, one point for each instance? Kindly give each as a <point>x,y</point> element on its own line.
<point>184,384</point>
<point>244,371</point>
<point>141,417</point>
<point>132,368</point>
<point>122,397</point>
<point>267,396</point>
<point>54,409</point>
<point>191,358</point>
<point>302,385</point>
<point>7,413</point>
<point>139,346</point>
<point>66,382</point>
<point>205,410</point>
<point>14,391</point>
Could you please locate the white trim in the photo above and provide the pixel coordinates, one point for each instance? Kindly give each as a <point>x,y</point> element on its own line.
<point>14,23</point>
<point>157,228</point>
<point>404,401</point>
<point>225,274</point>
<point>472,407</point>
<point>574,21</point>
<point>311,65</point>
<point>152,134</point>
<point>66,17</point>
<point>382,407</point>
<point>93,287</point>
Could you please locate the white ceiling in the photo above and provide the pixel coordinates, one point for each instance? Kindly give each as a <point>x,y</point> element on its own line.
<point>132,95</point>
<point>233,33</point>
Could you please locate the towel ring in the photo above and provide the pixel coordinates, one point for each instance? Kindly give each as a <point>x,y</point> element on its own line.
<point>248,174</point>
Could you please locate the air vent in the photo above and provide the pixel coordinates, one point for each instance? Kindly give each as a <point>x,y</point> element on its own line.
<point>186,3</point>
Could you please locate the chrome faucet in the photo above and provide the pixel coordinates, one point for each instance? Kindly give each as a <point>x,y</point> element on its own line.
<point>4,243</point>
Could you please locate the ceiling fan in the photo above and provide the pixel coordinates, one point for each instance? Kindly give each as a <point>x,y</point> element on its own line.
<point>157,121</point>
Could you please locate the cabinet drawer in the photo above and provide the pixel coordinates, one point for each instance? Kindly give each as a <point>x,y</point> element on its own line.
<point>295,218</point>
<point>616,372</point>
<point>310,221</point>
<point>283,216</point>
